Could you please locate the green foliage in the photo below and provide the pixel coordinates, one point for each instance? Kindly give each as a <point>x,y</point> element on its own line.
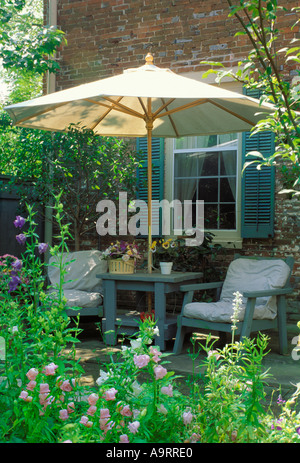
<point>25,43</point>
<point>86,167</point>
<point>261,70</point>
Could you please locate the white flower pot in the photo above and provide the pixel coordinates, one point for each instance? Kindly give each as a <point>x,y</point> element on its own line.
<point>166,267</point>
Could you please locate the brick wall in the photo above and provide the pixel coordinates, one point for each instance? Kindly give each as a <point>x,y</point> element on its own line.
<point>105,37</point>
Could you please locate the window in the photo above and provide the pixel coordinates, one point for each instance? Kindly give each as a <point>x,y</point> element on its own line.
<point>206,168</point>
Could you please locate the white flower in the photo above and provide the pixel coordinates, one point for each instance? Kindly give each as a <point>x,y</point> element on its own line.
<point>136,388</point>
<point>136,344</point>
<point>102,378</point>
<point>156,331</point>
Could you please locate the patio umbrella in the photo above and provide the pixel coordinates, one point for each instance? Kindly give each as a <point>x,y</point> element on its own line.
<point>143,102</point>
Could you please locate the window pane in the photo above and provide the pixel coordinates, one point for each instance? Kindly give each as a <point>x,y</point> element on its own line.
<point>227,217</point>
<point>208,190</point>
<point>210,164</point>
<point>228,163</point>
<point>227,190</point>
<point>211,216</point>
<point>185,189</point>
<point>185,165</point>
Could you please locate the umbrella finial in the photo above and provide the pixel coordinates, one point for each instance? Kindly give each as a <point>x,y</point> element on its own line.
<point>149,59</point>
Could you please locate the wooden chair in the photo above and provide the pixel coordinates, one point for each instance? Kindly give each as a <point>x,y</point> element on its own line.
<point>263,283</point>
<point>82,288</point>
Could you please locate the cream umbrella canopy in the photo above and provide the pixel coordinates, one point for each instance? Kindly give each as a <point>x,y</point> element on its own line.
<point>143,102</point>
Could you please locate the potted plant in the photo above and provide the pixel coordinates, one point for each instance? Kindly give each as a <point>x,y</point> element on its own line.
<point>122,257</point>
<point>164,253</point>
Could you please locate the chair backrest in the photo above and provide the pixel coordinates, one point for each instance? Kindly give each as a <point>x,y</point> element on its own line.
<point>82,268</point>
<point>255,274</point>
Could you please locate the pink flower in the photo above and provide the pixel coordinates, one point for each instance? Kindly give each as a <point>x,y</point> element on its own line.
<point>103,424</point>
<point>187,418</point>
<point>63,414</point>
<point>110,394</point>
<point>49,370</point>
<point>31,385</point>
<point>92,399</point>
<point>134,426</point>
<point>160,372</point>
<point>141,360</point>
<point>85,421</point>
<point>44,388</point>
<point>71,407</point>
<point>126,411</point>
<point>156,354</point>
<point>104,413</point>
<point>124,439</point>
<point>24,395</point>
<point>66,386</point>
<point>32,374</point>
<point>167,390</point>
<point>91,410</point>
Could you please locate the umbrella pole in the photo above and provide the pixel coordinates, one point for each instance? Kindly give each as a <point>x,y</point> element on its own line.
<point>149,125</point>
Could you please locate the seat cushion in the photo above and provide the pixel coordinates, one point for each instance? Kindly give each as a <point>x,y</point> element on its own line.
<point>83,299</point>
<point>244,275</point>
<point>82,268</point>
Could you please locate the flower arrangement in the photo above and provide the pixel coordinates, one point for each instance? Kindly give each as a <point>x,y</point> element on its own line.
<point>122,250</point>
<point>165,250</point>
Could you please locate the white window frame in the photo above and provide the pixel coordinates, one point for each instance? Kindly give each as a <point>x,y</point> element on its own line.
<point>227,238</point>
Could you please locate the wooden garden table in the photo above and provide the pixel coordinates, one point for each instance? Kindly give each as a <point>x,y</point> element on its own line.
<point>155,282</point>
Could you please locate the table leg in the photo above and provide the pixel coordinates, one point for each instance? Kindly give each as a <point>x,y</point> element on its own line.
<point>110,312</point>
<point>160,314</point>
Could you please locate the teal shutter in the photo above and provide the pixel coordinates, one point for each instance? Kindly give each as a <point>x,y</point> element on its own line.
<point>258,186</point>
<point>157,174</point>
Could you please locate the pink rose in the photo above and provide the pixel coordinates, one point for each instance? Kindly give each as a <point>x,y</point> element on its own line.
<point>91,410</point>
<point>124,439</point>
<point>85,421</point>
<point>24,395</point>
<point>160,372</point>
<point>66,386</point>
<point>31,385</point>
<point>167,390</point>
<point>134,426</point>
<point>71,407</point>
<point>110,394</point>
<point>63,414</point>
<point>104,413</point>
<point>32,374</point>
<point>156,354</point>
<point>49,370</point>
<point>141,360</point>
<point>44,388</point>
<point>126,411</point>
<point>92,399</point>
<point>187,418</point>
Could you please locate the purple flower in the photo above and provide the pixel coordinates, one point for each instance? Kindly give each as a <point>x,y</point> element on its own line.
<point>19,222</point>
<point>43,247</point>
<point>13,283</point>
<point>17,265</point>
<point>298,430</point>
<point>280,400</point>
<point>21,238</point>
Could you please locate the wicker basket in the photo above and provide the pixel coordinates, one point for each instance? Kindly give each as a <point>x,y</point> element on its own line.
<point>121,266</point>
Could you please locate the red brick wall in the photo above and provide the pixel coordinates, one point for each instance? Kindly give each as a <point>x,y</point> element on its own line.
<point>106,36</point>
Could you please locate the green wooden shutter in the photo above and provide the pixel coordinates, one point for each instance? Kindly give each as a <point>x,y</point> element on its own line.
<point>258,186</point>
<point>157,174</point>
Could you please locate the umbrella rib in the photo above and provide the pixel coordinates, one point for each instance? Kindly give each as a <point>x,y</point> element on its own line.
<point>105,114</point>
<point>116,106</point>
<point>231,112</point>
<point>181,108</point>
<point>44,111</point>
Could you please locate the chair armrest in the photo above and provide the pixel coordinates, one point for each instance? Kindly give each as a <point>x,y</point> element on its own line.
<point>268,292</point>
<point>200,286</point>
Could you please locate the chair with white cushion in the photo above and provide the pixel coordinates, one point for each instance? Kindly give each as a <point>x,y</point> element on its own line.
<point>263,284</point>
<point>81,288</point>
